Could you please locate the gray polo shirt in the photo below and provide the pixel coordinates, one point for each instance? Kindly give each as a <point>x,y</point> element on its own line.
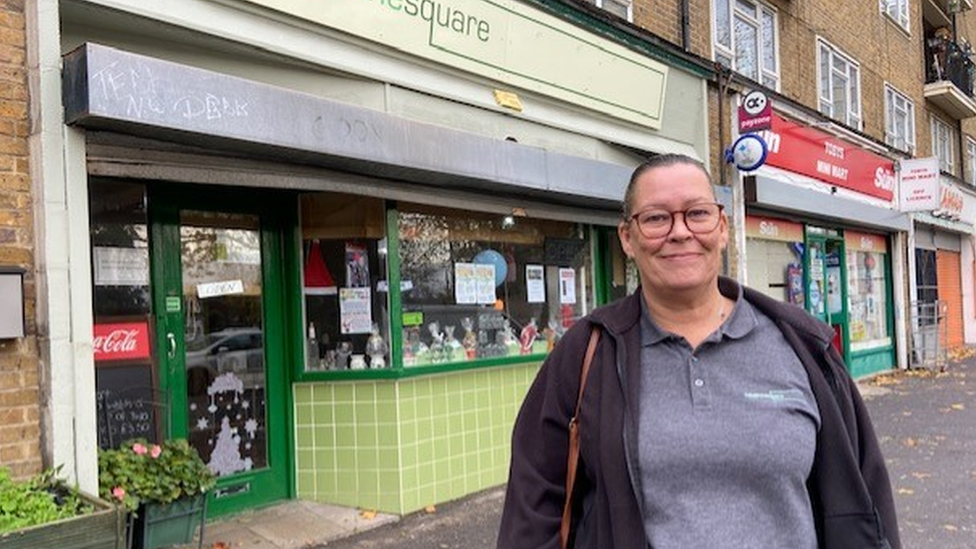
<point>727,434</point>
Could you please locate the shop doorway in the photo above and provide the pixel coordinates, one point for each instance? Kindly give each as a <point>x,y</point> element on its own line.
<point>826,292</point>
<point>218,290</point>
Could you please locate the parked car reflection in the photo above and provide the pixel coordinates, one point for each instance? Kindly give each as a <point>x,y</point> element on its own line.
<point>235,350</point>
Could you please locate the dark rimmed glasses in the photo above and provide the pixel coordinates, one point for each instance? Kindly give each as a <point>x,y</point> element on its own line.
<point>699,218</point>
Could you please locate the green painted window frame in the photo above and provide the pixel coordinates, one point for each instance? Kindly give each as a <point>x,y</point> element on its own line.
<point>598,237</point>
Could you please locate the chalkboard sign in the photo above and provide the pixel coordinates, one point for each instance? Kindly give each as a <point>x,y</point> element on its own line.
<point>128,406</point>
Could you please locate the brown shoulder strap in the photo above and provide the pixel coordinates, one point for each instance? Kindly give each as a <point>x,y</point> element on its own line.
<point>573,457</point>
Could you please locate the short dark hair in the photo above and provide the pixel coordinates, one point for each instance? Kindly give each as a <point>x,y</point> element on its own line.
<point>658,161</point>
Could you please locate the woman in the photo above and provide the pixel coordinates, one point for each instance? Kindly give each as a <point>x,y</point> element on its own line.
<point>713,416</point>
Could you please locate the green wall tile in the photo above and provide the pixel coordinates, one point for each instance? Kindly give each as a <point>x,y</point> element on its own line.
<point>386,391</point>
<point>369,481</point>
<point>390,502</point>
<point>345,436</point>
<point>386,411</point>
<point>305,460</point>
<point>388,459</point>
<point>303,392</point>
<point>304,437</point>
<point>324,436</point>
<point>303,414</point>
<point>367,459</point>
<point>305,483</point>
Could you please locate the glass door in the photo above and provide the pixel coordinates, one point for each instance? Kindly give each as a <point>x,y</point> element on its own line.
<point>218,292</point>
<point>826,291</point>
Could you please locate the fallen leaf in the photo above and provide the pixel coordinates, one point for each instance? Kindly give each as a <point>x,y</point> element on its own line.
<point>921,476</point>
<point>910,442</point>
<point>950,527</point>
<point>430,509</point>
<point>906,491</point>
<point>958,407</point>
<point>368,514</point>
<point>221,545</point>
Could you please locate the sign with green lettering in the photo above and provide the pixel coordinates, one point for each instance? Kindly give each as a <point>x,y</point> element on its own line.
<point>506,41</point>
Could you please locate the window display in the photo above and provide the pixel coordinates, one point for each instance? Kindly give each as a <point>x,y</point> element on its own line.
<point>344,282</point>
<point>774,249</point>
<point>478,285</point>
<point>867,290</point>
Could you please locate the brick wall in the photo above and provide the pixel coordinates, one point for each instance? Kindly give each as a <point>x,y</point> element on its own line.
<point>20,447</point>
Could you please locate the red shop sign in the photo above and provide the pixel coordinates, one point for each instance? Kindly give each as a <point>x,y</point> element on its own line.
<point>121,341</point>
<point>811,152</point>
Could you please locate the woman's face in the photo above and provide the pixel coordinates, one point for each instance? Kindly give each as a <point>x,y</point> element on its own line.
<point>680,261</point>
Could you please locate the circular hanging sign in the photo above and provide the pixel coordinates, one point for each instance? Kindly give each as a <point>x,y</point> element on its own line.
<point>748,152</point>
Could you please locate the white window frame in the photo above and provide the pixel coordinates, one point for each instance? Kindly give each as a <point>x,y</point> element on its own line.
<point>898,105</point>
<point>767,62</point>
<point>971,161</point>
<point>849,69</point>
<point>628,4</point>
<point>897,11</point>
<point>943,139</point>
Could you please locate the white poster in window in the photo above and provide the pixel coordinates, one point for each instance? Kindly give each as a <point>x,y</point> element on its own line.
<point>355,312</point>
<point>535,283</point>
<point>465,284</point>
<point>485,277</point>
<point>567,286</point>
<point>219,288</point>
<point>121,266</point>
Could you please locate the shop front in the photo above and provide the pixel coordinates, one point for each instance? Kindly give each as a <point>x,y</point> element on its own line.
<point>822,232</point>
<point>343,284</point>
<point>943,267</point>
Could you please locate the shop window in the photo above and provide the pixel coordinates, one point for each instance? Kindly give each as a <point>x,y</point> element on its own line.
<point>344,282</point>
<point>867,299</point>
<point>624,277</point>
<point>927,287</point>
<point>120,249</point>
<point>745,40</point>
<point>775,268</point>
<point>478,285</point>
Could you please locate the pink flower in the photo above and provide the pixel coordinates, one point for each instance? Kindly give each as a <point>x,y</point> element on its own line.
<point>119,493</point>
<point>139,449</point>
<point>156,450</point>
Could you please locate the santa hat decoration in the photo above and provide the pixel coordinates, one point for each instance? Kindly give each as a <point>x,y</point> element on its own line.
<point>317,275</point>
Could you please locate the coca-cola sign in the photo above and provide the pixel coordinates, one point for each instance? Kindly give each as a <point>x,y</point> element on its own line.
<point>121,341</point>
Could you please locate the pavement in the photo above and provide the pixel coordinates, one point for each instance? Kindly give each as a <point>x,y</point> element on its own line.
<point>925,421</point>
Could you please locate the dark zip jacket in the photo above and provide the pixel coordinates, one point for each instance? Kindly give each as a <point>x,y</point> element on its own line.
<point>849,486</point>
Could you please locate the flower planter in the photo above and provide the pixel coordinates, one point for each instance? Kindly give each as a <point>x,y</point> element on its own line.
<point>166,524</point>
<point>102,529</point>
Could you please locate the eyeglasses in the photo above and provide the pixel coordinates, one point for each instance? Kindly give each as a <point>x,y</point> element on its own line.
<point>700,218</point>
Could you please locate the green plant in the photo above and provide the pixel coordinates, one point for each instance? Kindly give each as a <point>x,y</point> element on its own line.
<point>40,499</point>
<point>138,472</point>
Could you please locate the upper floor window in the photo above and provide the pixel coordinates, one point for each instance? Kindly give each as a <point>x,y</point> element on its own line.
<point>840,85</point>
<point>746,40</point>
<point>943,137</point>
<point>899,120</point>
<point>621,8</point>
<point>970,161</point>
<point>897,10</point>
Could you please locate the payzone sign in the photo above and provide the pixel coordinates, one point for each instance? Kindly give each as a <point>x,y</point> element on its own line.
<point>811,152</point>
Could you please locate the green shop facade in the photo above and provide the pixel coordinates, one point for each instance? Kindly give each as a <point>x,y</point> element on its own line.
<point>334,262</point>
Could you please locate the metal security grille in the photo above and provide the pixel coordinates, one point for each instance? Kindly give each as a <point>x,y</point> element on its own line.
<point>929,340</point>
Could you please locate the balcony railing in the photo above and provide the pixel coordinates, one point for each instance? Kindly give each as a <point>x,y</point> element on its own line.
<point>949,73</point>
<point>948,60</point>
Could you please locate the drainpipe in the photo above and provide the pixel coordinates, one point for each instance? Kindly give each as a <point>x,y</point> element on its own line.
<point>685,25</point>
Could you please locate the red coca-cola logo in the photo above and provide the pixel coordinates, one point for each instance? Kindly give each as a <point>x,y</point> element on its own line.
<point>121,341</point>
